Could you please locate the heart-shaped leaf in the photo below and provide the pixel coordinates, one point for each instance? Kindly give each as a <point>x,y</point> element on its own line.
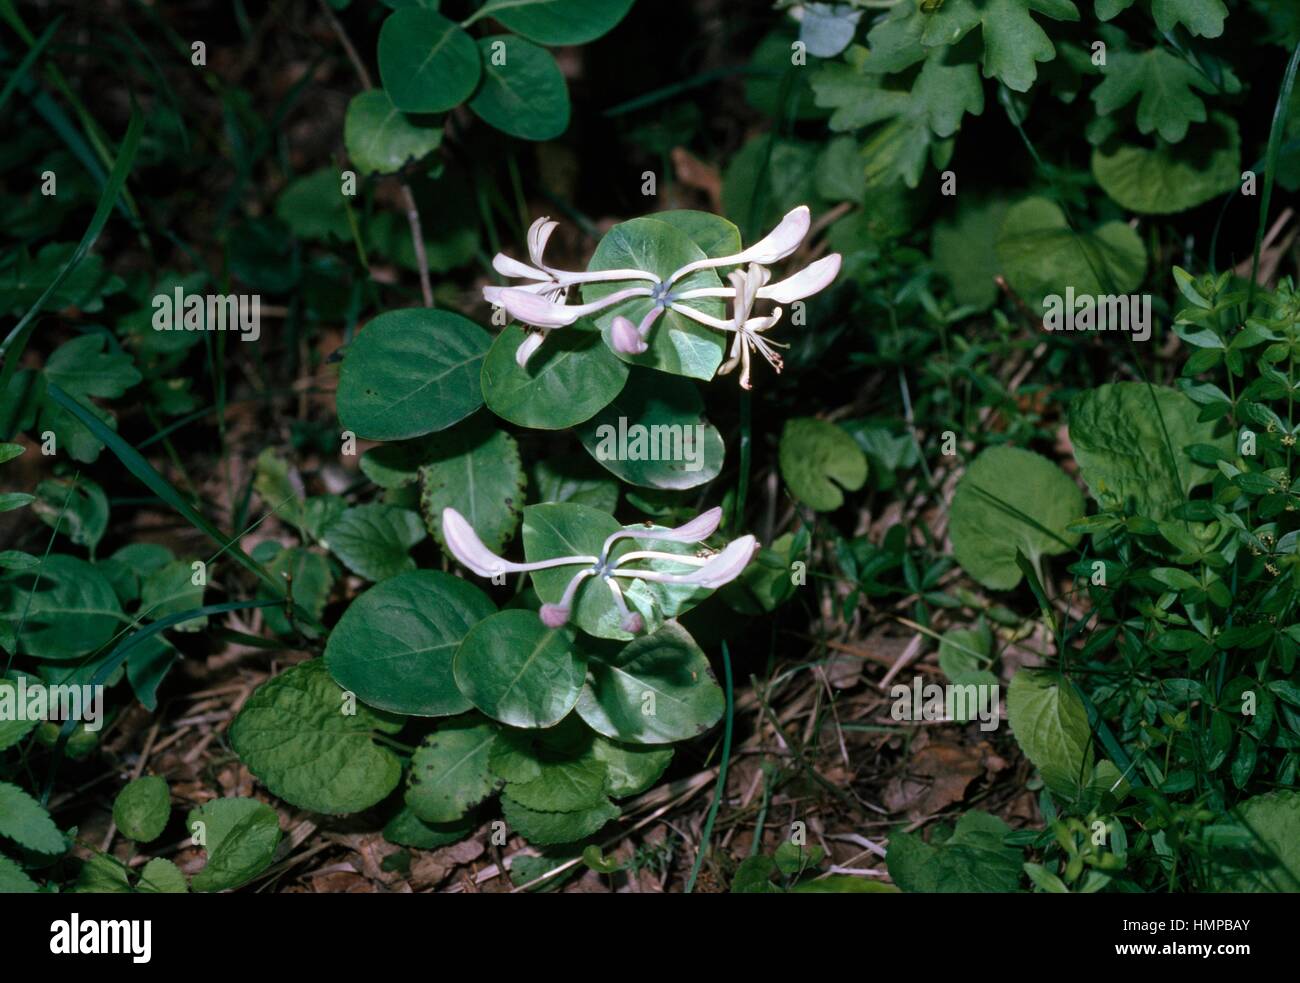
<point>1172,178</point>
<point>70,611</point>
<point>395,643</point>
<point>818,459</point>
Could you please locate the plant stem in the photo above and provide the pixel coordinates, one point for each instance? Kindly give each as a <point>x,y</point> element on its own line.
<point>722,773</point>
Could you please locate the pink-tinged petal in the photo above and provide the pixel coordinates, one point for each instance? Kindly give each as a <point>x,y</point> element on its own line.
<point>532,341</point>
<point>537,311</point>
<point>775,246</point>
<point>697,530</point>
<point>465,546</point>
<point>539,233</point>
<point>493,295</point>
<point>783,240</point>
<point>632,623</point>
<point>601,276</point>
<point>808,281</point>
<point>624,338</point>
<point>721,569</point>
<point>506,266</point>
<point>554,616</point>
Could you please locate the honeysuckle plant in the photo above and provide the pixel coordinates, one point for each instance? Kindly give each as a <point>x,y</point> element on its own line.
<point>542,303</point>
<point>710,571</point>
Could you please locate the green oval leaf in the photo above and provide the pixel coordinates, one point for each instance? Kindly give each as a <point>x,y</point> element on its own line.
<point>142,809</point>
<point>656,690</point>
<point>411,372</point>
<point>567,381</point>
<point>557,21</point>
<point>72,610</point>
<point>654,434</point>
<point>518,671</point>
<point>427,63</point>
<point>380,138</point>
<point>395,643</point>
<point>1051,727</point>
<point>449,772</point>
<point>374,540</point>
<point>295,736</point>
<point>544,828</point>
<point>523,92</point>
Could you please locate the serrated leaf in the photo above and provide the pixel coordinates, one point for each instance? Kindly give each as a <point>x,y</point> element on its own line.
<point>1051,727</point>
<point>295,737</point>
<point>374,541</point>
<point>24,821</point>
<point>1118,433</point>
<point>973,859</point>
<point>161,876</point>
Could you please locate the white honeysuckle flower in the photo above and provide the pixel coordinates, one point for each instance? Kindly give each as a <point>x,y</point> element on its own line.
<point>711,571</point>
<point>748,284</point>
<point>772,248</point>
<point>543,303</point>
